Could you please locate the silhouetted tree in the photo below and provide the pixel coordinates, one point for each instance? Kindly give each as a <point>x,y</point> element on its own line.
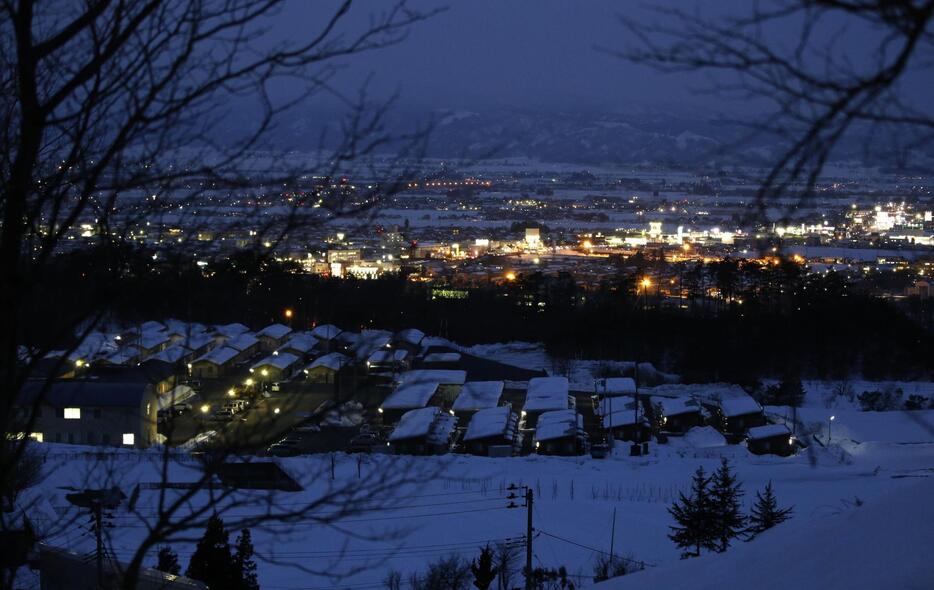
<point>483,570</point>
<point>765,512</point>
<point>244,566</point>
<point>725,493</point>
<point>694,514</point>
<point>168,561</point>
<point>212,562</point>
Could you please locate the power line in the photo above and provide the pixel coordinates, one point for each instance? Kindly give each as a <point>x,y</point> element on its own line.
<point>594,549</point>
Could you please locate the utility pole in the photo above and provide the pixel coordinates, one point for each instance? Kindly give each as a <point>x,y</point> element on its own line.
<point>529,499</point>
<point>528,539</point>
<point>99,536</point>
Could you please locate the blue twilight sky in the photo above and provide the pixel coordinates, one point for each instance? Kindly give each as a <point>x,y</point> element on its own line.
<point>539,54</point>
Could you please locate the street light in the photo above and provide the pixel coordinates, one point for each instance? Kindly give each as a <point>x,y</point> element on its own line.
<point>829,422</point>
<point>205,409</point>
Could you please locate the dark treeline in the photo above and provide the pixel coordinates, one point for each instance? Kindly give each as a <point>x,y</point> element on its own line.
<point>761,321</point>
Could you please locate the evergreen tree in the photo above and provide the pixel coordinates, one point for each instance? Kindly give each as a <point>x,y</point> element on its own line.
<point>725,493</point>
<point>211,562</point>
<point>168,561</point>
<point>244,566</point>
<point>765,512</point>
<point>694,517</point>
<point>482,568</point>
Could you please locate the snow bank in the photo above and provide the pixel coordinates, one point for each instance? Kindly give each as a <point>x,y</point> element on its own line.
<point>878,545</point>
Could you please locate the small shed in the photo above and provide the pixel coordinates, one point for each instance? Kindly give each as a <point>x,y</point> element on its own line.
<point>771,439</point>
<point>324,369</point>
<point>545,394</point>
<point>273,336</point>
<point>492,427</point>
<point>423,431</point>
<point>247,344</point>
<point>560,432</point>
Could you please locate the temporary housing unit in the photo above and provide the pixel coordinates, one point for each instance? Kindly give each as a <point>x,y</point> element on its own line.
<point>449,381</point>
<point>408,396</point>
<point>545,394</point>
<point>214,363</point>
<point>423,431</point>
<point>493,432</point>
<point>477,395</point>
<point>560,432</point>
<point>324,369</point>
<point>273,336</point>
<point>771,439</point>
<point>275,367</point>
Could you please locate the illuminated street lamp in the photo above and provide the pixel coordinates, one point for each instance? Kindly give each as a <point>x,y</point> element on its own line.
<point>276,411</point>
<point>205,409</point>
<point>288,315</point>
<point>829,422</point>
<point>232,392</point>
<point>510,276</point>
<point>646,283</point>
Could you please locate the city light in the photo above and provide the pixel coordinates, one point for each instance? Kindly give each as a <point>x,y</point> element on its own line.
<point>288,314</point>
<point>646,283</point>
<point>510,276</point>
<point>248,382</point>
<point>232,392</point>
<point>205,409</point>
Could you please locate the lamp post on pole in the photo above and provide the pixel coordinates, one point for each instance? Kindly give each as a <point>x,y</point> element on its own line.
<point>829,423</point>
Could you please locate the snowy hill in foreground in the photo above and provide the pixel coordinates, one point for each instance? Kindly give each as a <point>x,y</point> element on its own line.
<point>877,545</point>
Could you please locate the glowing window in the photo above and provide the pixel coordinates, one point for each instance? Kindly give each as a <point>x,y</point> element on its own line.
<point>72,413</point>
<point>129,438</point>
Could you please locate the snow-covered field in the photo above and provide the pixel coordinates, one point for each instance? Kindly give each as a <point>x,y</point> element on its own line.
<point>874,456</point>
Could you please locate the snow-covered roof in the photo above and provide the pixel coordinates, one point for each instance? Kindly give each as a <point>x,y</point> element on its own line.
<point>410,395</point>
<point>387,356</point>
<point>558,424</point>
<point>274,331</point>
<point>415,423</point>
<point>442,376</point>
<point>411,336</point>
<point>325,331</point>
<point>301,342</point>
<point>243,341</point>
<point>370,341</point>
<point>611,404</point>
<point>768,431</point>
<point>195,340</point>
<point>172,354</point>
<point>149,340</point>
<point>624,416</point>
<point>431,423</point>
<point>122,356</point>
<point>333,361</point>
<point>546,393</point>
<point>739,406</point>
<point>673,406</point>
<point>477,395</point>
<point>612,386</point>
<point>498,421</point>
<point>280,361</point>
<point>442,357</point>
<point>231,330</point>
<point>218,356</point>
<point>151,326</point>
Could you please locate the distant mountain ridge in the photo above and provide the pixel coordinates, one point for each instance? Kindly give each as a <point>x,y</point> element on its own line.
<point>642,135</point>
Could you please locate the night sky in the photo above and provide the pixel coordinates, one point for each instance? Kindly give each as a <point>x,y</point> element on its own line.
<point>540,54</point>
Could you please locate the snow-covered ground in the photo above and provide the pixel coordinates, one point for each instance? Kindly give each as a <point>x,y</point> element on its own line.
<point>465,505</point>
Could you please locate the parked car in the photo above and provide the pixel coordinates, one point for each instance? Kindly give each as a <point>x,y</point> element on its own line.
<point>286,447</point>
<point>222,415</point>
<point>364,442</point>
